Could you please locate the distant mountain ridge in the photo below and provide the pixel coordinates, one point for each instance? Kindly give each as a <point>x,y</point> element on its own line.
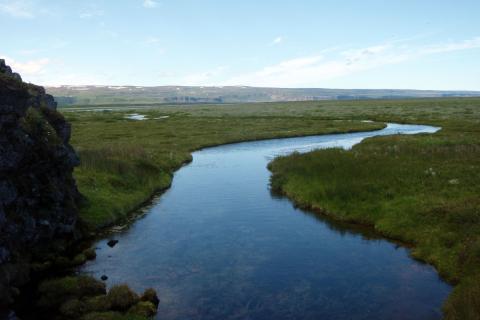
<point>94,95</point>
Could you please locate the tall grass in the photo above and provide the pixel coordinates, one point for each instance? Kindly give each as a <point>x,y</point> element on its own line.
<point>114,179</point>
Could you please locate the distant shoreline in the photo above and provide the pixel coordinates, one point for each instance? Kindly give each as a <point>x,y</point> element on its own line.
<point>104,95</point>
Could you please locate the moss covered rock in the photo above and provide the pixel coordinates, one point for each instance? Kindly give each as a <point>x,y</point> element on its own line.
<point>121,297</point>
<point>150,295</point>
<point>79,259</point>
<point>55,292</point>
<point>84,297</point>
<point>144,309</point>
<point>73,309</point>
<point>98,304</point>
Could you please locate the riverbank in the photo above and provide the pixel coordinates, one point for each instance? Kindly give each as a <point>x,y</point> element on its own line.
<point>125,162</point>
<point>419,189</point>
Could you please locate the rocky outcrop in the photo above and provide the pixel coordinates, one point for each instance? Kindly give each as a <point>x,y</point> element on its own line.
<point>38,195</point>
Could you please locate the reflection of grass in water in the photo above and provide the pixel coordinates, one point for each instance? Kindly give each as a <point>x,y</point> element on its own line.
<point>422,189</point>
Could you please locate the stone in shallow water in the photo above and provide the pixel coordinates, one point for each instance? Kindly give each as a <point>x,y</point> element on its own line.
<point>111,243</point>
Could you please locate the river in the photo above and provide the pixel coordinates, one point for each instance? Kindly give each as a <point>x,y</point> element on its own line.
<point>219,245</point>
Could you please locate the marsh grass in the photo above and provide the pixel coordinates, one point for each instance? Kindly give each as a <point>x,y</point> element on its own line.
<point>124,162</point>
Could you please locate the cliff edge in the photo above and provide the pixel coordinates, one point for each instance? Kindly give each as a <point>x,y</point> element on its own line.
<point>38,194</point>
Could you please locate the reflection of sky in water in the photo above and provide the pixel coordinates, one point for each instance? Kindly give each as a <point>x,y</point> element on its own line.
<point>136,116</point>
<point>218,245</point>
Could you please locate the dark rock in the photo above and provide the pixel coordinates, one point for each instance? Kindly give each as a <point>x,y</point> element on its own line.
<point>12,316</point>
<point>16,76</point>
<point>111,243</point>
<point>104,278</point>
<point>38,194</point>
<point>4,255</point>
<point>15,291</point>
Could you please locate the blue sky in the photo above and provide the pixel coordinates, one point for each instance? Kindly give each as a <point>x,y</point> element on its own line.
<point>331,44</point>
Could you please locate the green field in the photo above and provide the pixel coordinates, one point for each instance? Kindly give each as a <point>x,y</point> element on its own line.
<point>124,162</point>
<point>421,189</point>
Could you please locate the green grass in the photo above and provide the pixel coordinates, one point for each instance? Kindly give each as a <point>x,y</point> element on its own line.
<point>124,162</point>
<point>422,189</point>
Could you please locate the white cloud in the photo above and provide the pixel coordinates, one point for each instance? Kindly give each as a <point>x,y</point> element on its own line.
<point>150,4</point>
<point>27,68</point>
<point>311,71</point>
<point>276,41</point>
<point>17,8</point>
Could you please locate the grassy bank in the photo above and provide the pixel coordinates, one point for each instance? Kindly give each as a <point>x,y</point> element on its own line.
<point>422,189</point>
<point>124,162</point>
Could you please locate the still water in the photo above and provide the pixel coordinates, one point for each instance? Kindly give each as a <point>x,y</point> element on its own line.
<point>219,245</point>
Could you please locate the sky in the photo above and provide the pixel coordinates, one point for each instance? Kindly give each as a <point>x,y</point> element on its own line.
<point>407,44</point>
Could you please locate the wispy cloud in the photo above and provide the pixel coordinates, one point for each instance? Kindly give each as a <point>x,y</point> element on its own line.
<point>150,4</point>
<point>452,46</point>
<point>152,40</point>
<point>26,9</point>
<point>154,43</point>
<point>91,12</point>
<point>276,41</point>
<point>311,71</point>
<point>29,67</point>
<point>17,8</point>
<point>29,52</point>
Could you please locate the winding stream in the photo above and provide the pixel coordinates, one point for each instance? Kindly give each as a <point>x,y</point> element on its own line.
<point>218,245</point>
